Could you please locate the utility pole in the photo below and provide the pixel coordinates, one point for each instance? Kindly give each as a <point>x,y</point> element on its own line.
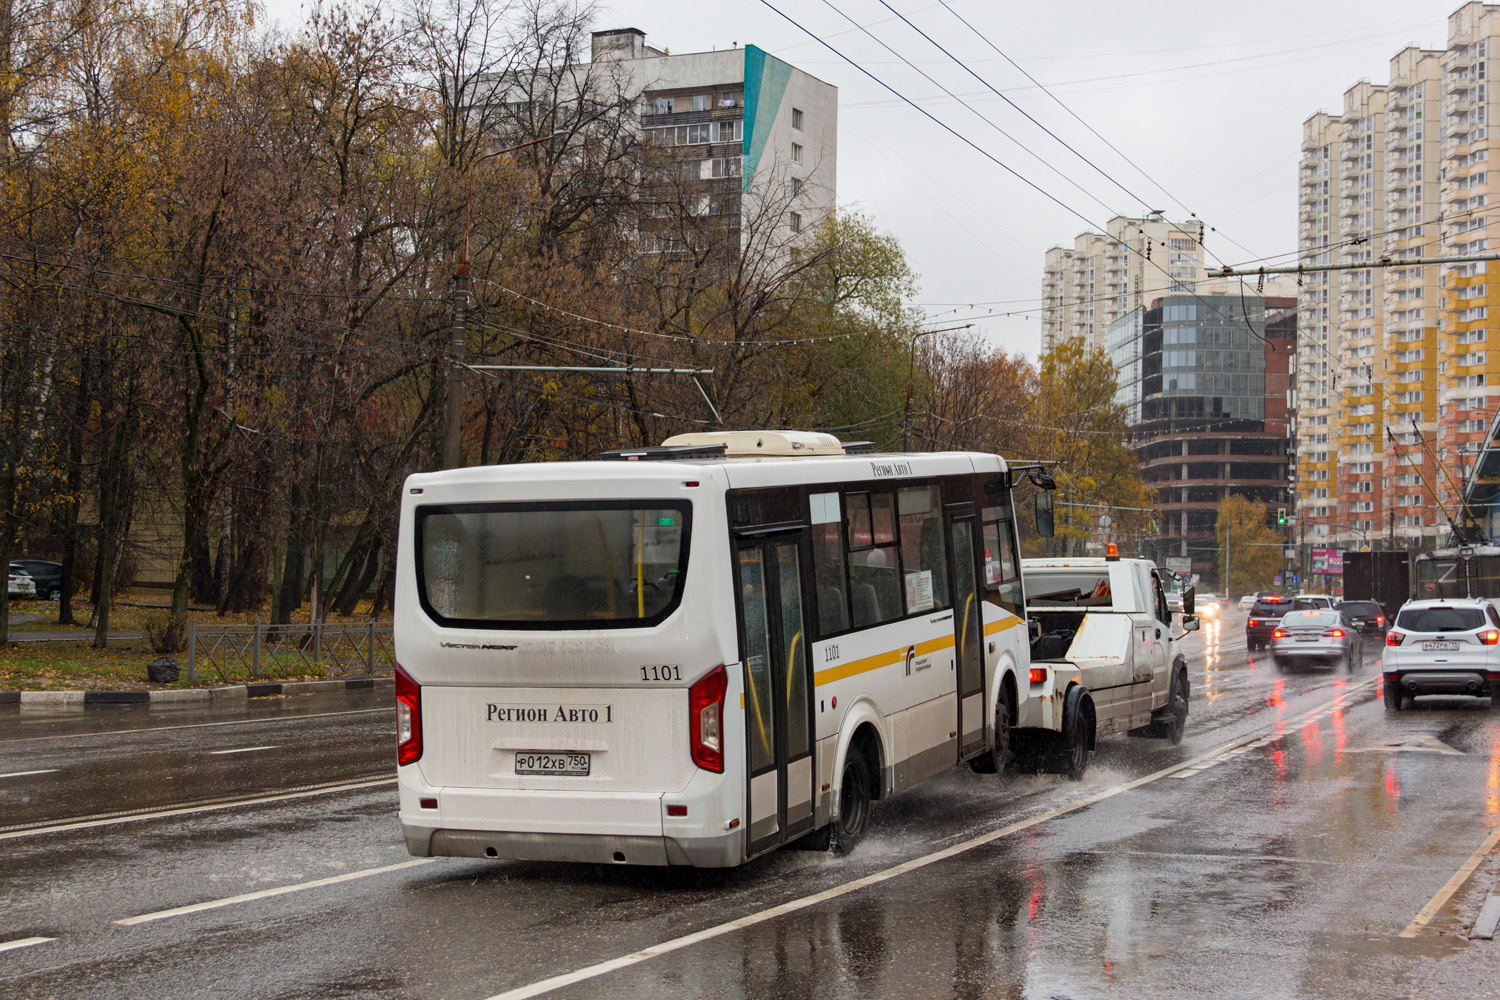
<point>911,369</point>
<point>452,458</point>
<point>1226,561</point>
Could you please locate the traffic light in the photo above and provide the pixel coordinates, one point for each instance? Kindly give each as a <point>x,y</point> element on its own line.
<point>1281,515</point>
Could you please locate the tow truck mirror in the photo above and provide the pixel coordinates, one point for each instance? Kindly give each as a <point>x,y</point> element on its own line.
<point>1044,522</point>
<point>1187,599</point>
<point>1033,629</point>
<point>1189,623</point>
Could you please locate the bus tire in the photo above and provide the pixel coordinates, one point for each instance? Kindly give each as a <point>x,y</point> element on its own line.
<point>999,755</point>
<point>856,792</point>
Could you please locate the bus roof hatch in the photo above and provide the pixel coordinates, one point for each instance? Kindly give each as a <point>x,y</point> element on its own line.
<point>752,444</point>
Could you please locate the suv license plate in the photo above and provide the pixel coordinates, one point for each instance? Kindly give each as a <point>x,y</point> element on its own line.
<point>1440,644</point>
<point>571,764</point>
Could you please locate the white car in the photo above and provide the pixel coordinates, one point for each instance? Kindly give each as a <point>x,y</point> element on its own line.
<point>1447,646</point>
<point>1312,602</point>
<point>1247,602</point>
<point>19,582</point>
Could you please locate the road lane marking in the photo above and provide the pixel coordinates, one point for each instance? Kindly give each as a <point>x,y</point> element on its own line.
<point>23,943</point>
<point>1437,902</point>
<point>198,725</point>
<point>137,815</point>
<point>217,753</point>
<point>750,920</point>
<point>22,774</point>
<point>214,904</point>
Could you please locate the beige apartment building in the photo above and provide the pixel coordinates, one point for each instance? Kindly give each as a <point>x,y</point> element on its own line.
<point>1395,382</point>
<point>1106,275</point>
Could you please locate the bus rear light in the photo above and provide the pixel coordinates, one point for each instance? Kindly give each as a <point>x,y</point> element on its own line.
<point>1037,675</point>
<point>1393,638</point>
<point>1489,638</point>
<point>408,718</point>
<point>706,719</point>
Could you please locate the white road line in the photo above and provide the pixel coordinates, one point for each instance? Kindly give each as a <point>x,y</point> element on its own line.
<point>22,774</point>
<point>214,904</point>
<point>217,753</point>
<point>1437,902</point>
<point>793,906</point>
<point>23,943</point>
<point>198,725</point>
<point>235,803</point>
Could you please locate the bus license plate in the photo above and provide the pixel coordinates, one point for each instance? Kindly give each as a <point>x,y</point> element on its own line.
<point>573,764</point>
<point>1440,644</point>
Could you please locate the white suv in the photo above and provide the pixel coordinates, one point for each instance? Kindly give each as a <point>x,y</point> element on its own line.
<point>1443,647</point>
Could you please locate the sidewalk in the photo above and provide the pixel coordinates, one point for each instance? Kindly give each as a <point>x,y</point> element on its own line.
<point>224,692</point>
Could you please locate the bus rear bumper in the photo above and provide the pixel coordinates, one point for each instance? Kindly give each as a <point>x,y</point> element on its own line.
<point>696,852</point>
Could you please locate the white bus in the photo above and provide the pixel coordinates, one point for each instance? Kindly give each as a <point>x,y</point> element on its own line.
<point>693,654</point>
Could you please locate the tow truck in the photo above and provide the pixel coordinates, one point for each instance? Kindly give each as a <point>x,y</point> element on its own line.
<point>1104,660</point>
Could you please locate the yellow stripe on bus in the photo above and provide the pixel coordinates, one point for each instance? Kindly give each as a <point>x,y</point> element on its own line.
<point>879,660</point>
<point>1009,621</point>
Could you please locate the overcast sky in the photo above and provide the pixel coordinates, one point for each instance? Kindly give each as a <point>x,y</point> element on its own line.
<point>1207,99</point>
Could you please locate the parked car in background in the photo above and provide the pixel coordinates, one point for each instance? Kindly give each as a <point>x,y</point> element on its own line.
<point>1323,636</point>
<point>1449,646</point>
<point>1247,602</point>
<point>1366,616</point>
<point>48,577</point>
<point>1265,614</point>
<point>18,582</point>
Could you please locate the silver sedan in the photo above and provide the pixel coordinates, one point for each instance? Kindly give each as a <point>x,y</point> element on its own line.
<point>1323,637</point>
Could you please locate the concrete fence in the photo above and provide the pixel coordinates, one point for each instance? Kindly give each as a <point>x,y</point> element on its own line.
<point>250,652</point>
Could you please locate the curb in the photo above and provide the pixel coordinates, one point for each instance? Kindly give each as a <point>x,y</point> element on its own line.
<point>80,699</point>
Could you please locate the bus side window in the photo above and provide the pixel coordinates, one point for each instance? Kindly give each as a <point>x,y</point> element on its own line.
<point>828,563</point>
<point>923,554</point>
<point>1002,576</point>
<point>874,561</point>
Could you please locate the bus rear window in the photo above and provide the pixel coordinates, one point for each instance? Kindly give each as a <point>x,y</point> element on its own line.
<point>579,564</point>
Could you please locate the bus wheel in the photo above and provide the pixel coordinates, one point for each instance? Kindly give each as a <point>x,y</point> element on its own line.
<point>855,792</point>
<point>998,757</point>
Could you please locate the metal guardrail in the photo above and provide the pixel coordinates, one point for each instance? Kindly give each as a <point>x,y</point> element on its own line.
<point>250,652</point>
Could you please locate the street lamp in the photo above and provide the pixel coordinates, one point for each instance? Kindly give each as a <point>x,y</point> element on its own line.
<point>452,432</point>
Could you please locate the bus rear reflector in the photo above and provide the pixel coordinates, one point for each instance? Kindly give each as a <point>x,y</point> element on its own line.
<point>408,718</point>
<point>706,719</point>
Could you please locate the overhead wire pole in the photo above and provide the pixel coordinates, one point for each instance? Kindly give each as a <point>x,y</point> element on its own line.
<point>1252,272</point>
<point>911,368</point>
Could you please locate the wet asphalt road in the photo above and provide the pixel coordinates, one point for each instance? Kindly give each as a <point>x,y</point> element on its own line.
<point>1278,852</point>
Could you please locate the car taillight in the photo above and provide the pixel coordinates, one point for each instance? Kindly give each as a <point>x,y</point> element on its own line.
<point>706,719</point>
<point>1252,623</point>
<point>1393,638</point>
<point>408,718</point>
<point>1278,634</point>
<point>1380,619</point>
<point>1334,633</point>
<point>1489,638</point>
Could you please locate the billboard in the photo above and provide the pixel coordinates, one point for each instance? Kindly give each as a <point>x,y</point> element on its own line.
<point>1329,562</point>
<point>1180,564</point>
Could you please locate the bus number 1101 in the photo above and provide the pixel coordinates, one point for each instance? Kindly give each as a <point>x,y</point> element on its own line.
<point>667,673</point>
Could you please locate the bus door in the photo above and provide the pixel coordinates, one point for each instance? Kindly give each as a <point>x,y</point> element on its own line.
<point>968,629</point>
<point>778,689</point>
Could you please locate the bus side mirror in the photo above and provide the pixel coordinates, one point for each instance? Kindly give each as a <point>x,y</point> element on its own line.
<point>1044,524</point>
<point>1187,600</point>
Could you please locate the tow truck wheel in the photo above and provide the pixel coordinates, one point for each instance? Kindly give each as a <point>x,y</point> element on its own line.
<point>1179,702</point>
<point>855,793</point>
<point>998,757</point>
<point>1072,757</point>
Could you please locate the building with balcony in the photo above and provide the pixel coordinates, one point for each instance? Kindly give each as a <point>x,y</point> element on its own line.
<point>1106,275</point>
<point>748,142</point>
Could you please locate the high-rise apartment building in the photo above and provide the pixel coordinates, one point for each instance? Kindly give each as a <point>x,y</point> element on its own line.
<point>1395,383</point>
<point>752,141</point>
<point>1106,275</point>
